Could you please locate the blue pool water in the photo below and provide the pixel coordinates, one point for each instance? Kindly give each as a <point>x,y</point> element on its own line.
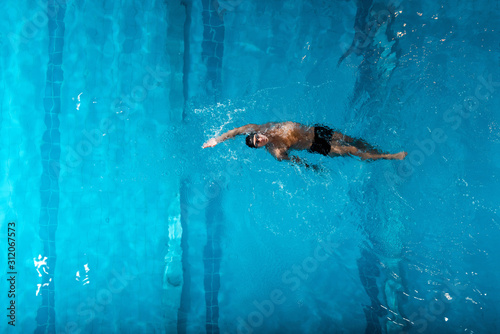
<point>123,224</point>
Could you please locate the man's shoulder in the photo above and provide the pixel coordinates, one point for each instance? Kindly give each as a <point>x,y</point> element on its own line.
<point>279,152</point>
<point>280,148</point>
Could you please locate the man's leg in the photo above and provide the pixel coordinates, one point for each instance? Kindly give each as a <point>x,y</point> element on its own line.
<point>360,144</point>
<point>351,150</point>
<point>376,156</point>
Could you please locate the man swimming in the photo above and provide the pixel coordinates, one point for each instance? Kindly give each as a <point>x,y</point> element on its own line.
<point>280,138</point>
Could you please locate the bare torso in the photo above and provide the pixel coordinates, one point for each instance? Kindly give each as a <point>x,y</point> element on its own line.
<point>289,136</point>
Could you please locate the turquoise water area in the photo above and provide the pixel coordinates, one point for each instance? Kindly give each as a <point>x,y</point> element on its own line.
<point>123,224</point>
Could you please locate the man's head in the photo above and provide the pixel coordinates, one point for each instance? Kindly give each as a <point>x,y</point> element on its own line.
<point>256,140</point>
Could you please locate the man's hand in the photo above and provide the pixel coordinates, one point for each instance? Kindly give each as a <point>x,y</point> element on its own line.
<point>301,162</point>
<point>210,143</point>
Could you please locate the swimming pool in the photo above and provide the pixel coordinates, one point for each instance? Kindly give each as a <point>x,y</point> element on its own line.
<point>121,223</point>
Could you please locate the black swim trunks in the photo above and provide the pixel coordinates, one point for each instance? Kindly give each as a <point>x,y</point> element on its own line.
<point>322,137</point>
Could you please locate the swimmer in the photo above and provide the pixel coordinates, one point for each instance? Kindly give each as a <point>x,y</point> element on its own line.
<point>280,138</point>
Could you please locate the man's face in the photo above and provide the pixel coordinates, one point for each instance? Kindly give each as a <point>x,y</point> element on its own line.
<point>260,140</point>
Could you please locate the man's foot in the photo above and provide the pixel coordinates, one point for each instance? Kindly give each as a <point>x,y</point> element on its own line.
<point>399,156</point>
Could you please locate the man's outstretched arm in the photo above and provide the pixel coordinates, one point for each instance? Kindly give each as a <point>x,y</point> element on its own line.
<point>231,134</point>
